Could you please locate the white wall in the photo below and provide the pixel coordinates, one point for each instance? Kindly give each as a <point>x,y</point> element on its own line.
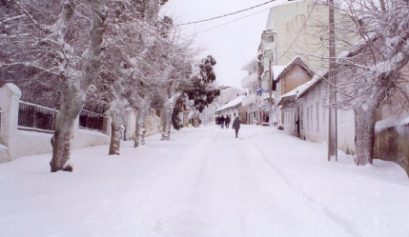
<point>346,130</point>
<point>290,116</point>
<point>315,120</point>
<point>9,99</point>
<point>18,143</point>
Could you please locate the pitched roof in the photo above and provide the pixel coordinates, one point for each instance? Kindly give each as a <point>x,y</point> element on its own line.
<point>231,104</point>
<point>300,90</point>
<point>297,61</point>
<point>321,74</point>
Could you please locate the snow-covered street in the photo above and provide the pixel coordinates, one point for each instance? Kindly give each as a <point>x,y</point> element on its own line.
<point>205,182</point>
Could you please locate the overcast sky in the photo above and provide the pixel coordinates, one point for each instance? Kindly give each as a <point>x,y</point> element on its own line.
<point>234,44</point>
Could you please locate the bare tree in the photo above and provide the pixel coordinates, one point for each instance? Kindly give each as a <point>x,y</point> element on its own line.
<point>372,68</point>
<point>47,37</point>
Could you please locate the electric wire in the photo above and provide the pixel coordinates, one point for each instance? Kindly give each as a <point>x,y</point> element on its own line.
<point>232,21</point>
<point>227,14</point>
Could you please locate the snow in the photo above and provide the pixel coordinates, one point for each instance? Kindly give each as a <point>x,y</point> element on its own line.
<point>310,84</point>
<point>205,182</point>
<point>277,70</point>
<point>250,80</point>
<point>392,122</point>
<point>298,91</point>
<point>232,103</point>
<point>284,2</point>
<point>280,69</point>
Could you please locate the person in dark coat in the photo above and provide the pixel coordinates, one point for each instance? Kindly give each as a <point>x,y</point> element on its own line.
<point>227,121</point>
<point>236,125</point>
<point>222,121</point>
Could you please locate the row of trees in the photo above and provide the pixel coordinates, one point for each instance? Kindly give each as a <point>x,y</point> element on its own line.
<point>117,54</point>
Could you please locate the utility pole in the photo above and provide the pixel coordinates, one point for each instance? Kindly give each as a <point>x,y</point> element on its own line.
<point>332,115</point>
<point>383,6</point>
<point>271,80</point>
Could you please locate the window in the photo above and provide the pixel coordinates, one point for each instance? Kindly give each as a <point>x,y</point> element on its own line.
<point>270,38</point>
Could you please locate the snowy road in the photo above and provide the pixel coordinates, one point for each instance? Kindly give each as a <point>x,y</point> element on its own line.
<point>204,182</point>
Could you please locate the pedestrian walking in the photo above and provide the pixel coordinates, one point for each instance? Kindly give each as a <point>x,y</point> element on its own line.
<point>227,121</point>
<point>222,121</point>
<point>236,125</point>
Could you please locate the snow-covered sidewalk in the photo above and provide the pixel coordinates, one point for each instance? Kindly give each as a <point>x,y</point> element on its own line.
<point>205,182</point>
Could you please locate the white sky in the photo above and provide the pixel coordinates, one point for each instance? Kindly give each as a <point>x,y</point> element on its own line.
<point>232,45</point>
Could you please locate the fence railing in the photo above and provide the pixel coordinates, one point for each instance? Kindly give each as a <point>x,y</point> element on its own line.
<point>95,121</point>
<point>39,118</point>
<point>36,117</point>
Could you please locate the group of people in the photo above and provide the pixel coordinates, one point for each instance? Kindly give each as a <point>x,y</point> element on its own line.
<point>224,122</point>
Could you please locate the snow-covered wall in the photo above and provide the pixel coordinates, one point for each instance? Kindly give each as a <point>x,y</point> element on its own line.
<point>85,138</point>
<point>17,143</point>
<point>9,99</point>
<point>33,143</point>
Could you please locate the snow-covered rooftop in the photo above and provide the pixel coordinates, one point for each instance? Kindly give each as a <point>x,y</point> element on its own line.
<point>249,100</point>
<point>392,122</point>
<point>232,103</point>
<point>296,92</point>
<point>314,81</point>
<point>277,70</point>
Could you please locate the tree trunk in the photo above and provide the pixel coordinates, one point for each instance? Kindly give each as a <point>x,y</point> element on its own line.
<point>140,122</point>
<point>164,124</point>
<point>383,6</point>
<point>167,115</point>
<point>116,134</point>
<point>365,120</point>
<point>137,129</point>
<point>73,93</point>
<point>69,111</point>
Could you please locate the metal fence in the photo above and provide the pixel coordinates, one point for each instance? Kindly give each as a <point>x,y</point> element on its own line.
<point>39,118</point>
<point>36,117</point>
<point>94,121</point>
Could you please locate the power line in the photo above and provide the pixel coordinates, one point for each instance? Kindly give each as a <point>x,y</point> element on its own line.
<point>226,15</point>
<point>232,21</point>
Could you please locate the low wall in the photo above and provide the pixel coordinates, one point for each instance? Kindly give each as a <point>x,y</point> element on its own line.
<point>86,138</point>
<point>34,143</point>
<point>391,144</point>
<point>31,143</point>
<point>15,142</point>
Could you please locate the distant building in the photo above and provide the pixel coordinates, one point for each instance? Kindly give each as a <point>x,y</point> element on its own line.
<point>251,103</point>
<point>233,108</point>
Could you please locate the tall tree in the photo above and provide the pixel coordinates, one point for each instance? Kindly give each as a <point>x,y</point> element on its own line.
<point>47,36</point>
<point>372,68</point>
<point>201,90</point>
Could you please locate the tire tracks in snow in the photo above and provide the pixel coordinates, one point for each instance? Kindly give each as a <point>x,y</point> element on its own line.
<point>334,217</point>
